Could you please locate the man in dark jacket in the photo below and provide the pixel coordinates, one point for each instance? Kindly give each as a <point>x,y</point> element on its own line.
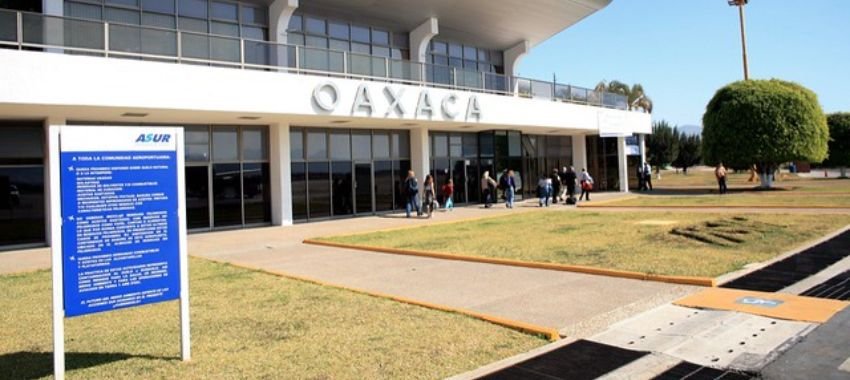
<point>570,182</point>
<point>411,187</point>
<point>556,186</point>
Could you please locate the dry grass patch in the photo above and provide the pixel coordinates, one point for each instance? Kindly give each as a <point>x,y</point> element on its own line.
<point>247,324</point>
<point>610,240</point>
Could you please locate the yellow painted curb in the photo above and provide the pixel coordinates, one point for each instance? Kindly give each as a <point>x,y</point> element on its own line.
<point>684,280</point>
<point>774,305</point>
<point>549,333</point>
<point>765,207</point>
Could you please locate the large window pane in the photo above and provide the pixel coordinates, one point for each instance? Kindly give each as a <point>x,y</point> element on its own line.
<point>254,15</point>
<point>383,186</point>
<point>441,145</point>
<point>338,30</point>
<point>299,191</point>
<point>223,11</point>
<point>197,144</point>
<point>341,145</point>
<point>295,23</point>
<point>158,20</point>
<point>193,8</point>
<point>128,3</point>
<point>161,6</point>
<point>256,183</point>
<point>255,144</point>
<point>380,37</point>
<point>224,28</point>
<point>197,197</point>
<point>227,195</point>
<point>225,144</point>
<point>21,144</point>
<point>122,16</point>
<point>361,143</point>
<point>401,144</point>
<point>400,169</point>
<point>21,205</point>
<point>380,145</point>
<point>360,34</point>
<point>319,189</point>
<point>315,26</point>
<point>363,188</point>
<point>317,145</point>
<point>296,145</point>
<point>343,187</point>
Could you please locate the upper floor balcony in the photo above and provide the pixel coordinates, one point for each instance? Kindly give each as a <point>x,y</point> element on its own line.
<point>33,31</point>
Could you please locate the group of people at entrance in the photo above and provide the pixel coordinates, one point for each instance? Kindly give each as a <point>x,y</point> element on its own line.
<point>429,193</point>
<point>550,189</point>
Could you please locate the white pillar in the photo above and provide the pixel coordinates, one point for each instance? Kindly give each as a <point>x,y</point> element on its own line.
<point>281,175</point>
<point>280,11</point>
<point>420,153</point>
<point>623,164</point>
<point>579,153</point>
<point>512,58</point>
<point>642,147</point>
<point>48,188</point>
<point>420,37</point>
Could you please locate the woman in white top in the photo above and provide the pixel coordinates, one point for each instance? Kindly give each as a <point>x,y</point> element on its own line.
<point>586,184</point>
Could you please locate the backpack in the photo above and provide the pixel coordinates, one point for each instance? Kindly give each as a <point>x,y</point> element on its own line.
<point>503,182</point>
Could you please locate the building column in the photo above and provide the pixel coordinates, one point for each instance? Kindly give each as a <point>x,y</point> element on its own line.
<point>420,152</point>
<point>513,56</point>
<point>642,147</point>
<point>280,12</point>
<point>281,174</point>
<point>623,164</point>
<point>48,184</point>
<point>420,38</point>
<point>579,153</point>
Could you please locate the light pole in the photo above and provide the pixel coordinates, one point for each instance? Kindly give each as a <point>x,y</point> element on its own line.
<point>740,4</point>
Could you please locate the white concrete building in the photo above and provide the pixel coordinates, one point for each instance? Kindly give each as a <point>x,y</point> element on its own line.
<point>301,110</point>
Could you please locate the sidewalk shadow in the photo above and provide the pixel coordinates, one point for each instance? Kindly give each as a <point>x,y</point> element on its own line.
<point>34,365</point>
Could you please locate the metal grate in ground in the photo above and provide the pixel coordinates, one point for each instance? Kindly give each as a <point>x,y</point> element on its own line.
<point>789,271</point>
<point>691,371</point>
<point>577,361</point>
<point>836,288</point>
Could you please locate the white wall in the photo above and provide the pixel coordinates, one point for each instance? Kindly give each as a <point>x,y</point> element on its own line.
<point>59,81</point>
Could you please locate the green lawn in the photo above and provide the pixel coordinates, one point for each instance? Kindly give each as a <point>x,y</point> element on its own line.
<point>780,199</point>
<point>248,324</point>
<point>633,241</point>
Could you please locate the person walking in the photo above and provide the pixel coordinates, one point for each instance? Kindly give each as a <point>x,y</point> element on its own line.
<point>411,188</point>
<point>570,182</point>
<point>430,195</point>
<point>641,176</point>
<point>542,196</point>
<point>586,185</point>
<point>510,189</point>
<point>555,179</point>
<point>720,173</point>
<point>488,187</point>
<point>448,191</point>
<point>647,176</point>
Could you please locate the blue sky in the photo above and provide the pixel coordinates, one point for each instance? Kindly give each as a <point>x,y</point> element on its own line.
<point>682,51</point>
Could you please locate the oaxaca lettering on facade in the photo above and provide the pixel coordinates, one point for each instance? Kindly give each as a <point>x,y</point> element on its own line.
<point>326,96</point>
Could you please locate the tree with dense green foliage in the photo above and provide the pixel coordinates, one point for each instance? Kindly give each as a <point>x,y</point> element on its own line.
<point>662,145</point>
<point>635,95</point>
<point>839,142</point>
<point>690,154</point>
<point>766,123</point>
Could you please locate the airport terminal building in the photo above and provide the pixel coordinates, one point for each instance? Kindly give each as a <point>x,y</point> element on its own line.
<point>298,111</point>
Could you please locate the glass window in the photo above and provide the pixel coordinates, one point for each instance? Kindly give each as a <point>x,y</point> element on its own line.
<point>127,3</point>
<point>197,197</point>
<point>256,192</point>
<point>380,51</point>
<point>440,47</point>
<point>455,50</point>
<point>338,30</point>
<point>254,15</point>
<point>225,29</point>
<point>197,144</point>
<point>441,145</point>
<point>483,55</point>
<point>123,16</point>
<point>315,26</point>
<point>342,182</point>
<point>380,37</point>
<point>193,8</point>
<point>296,144</point>
<point>225,144</point>
<point>227,194</point>
<point>360,48</point>
<point>319,42</point>
<point>401,40</point>
<point>455,146</point>
<point>299,191</point>
<point>80,10</point>
<point>381,145</point>
<point>317,145</point>
<point>255,144</point>
<point>161,6</point>
<point>295,23</point>
<point>193,25</point>
<point>341,145</point>
<point>22,205</point>
<point>441,60</point>
<point>339,45</point>
<point>318,182</point>
<point>254,33</point>
<point>361,143</point>
<point>360,34</point>
<point>514,144</point>
<point>469,52</point>
<point>470,145</point>
<point>295,39</point>
<point>401,144</point>
<point>156,19</point>
<point>223,11</point>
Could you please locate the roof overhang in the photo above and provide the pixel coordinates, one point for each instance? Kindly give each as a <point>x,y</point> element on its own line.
<point>492,24</point>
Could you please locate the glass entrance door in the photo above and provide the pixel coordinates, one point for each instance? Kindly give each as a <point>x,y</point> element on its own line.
<point>363,188</point>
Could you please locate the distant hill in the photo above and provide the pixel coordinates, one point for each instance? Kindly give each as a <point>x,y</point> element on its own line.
<point>690,129</point>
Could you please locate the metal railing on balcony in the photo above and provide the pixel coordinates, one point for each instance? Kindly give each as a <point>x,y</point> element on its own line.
<point>33,31</point>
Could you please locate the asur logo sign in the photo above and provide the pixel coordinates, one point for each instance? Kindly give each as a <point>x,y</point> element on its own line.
<point>153,138</point>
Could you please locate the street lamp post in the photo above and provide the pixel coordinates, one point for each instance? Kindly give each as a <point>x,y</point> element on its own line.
<point>740,4</point>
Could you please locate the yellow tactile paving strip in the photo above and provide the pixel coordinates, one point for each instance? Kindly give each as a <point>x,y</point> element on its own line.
<point>774,305</point>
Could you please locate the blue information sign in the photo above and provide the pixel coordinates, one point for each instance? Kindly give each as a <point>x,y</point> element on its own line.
<point>120,230</point>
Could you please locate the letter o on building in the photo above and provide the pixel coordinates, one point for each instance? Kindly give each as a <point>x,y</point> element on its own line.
<point>326,96</point>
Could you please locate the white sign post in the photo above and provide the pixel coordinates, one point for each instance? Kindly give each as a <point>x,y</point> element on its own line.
<point>118,218</point>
